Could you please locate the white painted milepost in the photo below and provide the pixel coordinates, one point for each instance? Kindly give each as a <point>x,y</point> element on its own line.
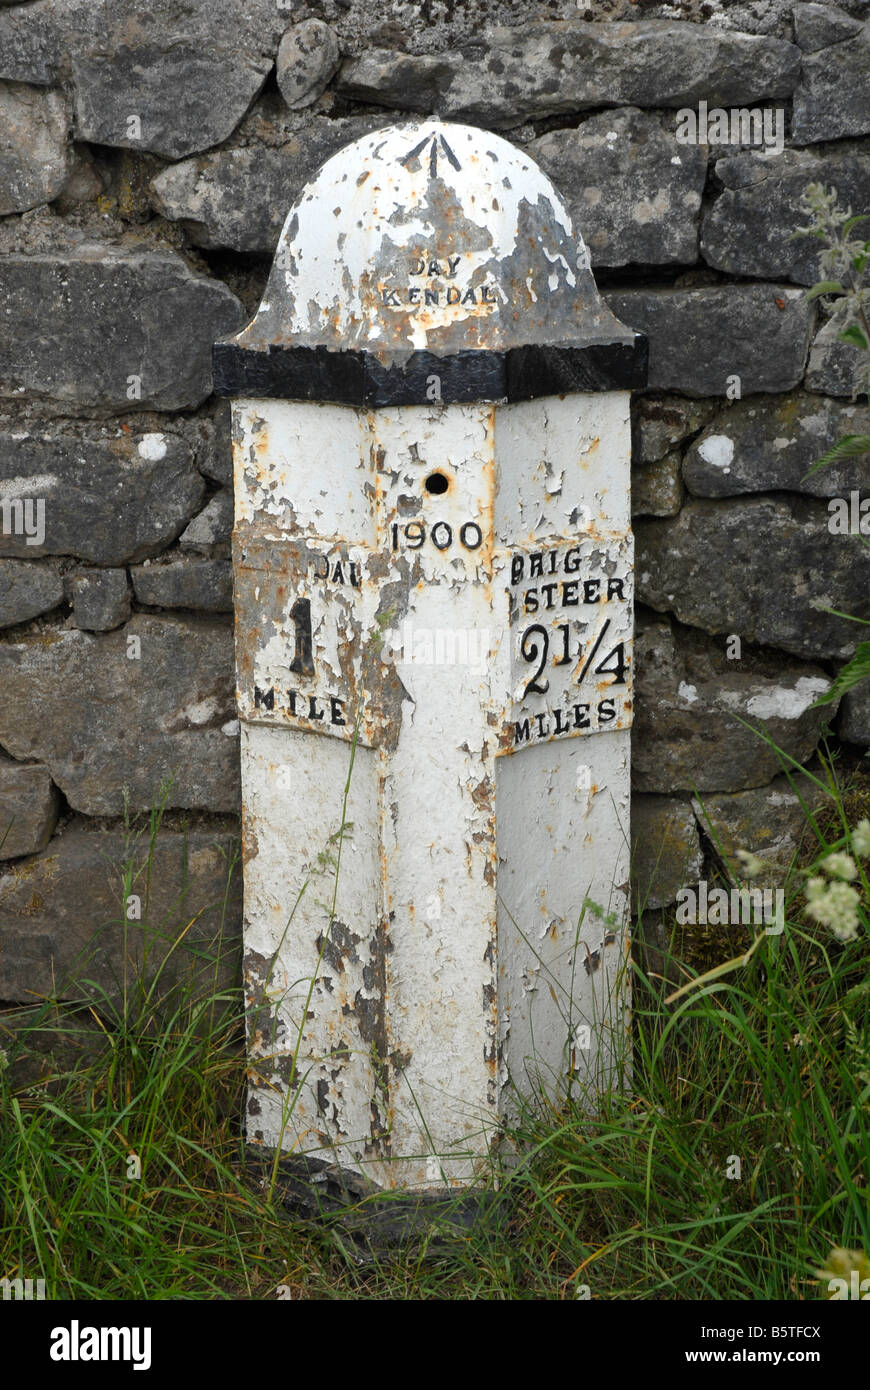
<point>433,595</point>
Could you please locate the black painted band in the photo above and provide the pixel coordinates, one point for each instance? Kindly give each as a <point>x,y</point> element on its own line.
<point>361,379</point>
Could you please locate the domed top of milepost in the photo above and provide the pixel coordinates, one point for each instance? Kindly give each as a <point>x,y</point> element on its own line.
<point>428,238</point>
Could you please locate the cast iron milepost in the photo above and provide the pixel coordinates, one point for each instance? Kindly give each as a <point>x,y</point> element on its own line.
<point>433,595</point>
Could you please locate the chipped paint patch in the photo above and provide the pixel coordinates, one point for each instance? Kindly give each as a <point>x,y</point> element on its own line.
<point>452,243</point>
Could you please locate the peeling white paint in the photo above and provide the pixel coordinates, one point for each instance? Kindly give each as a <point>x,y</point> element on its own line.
<point>443,807</point>
<point>328,284</point>
<point>352,255</point>
<point>463,946</point>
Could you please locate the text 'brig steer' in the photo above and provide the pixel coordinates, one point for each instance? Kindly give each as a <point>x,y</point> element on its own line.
<point>434,615</point>
<point>571,622</point>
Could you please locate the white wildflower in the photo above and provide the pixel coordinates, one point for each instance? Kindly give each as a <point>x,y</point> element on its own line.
<point>840,866</point>
<point>751,865</point>
<point>861,839</point>
<point>836,908</point>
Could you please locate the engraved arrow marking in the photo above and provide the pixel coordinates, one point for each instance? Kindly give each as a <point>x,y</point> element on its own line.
<point>433,141</point>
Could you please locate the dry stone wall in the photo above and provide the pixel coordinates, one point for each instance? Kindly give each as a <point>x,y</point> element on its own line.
<point>148,155</point>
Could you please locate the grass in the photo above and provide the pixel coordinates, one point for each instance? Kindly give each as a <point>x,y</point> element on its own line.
<point>740,1156</point>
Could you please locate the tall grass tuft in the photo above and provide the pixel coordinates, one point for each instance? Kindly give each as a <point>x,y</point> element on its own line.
<point>736,1162</point>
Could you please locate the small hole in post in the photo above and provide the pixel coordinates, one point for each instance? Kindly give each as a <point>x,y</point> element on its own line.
<point>436,483</point>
